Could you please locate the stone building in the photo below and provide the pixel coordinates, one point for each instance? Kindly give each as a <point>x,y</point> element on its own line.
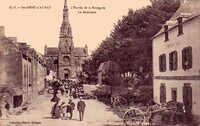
<point>66,60</point>
<point>22,71</point>
<point>176,64</point>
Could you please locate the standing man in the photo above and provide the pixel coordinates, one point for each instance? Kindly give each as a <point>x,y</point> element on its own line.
<point>81,108</point>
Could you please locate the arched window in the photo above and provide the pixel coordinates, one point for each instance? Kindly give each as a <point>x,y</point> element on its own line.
<point>66,60</point>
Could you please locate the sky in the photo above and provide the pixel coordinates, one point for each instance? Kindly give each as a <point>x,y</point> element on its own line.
<point>41,25</point>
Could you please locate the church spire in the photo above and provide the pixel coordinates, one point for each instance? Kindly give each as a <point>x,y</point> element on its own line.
<point>65,29</point>
<point>66,43</point>
<point>65,12</point>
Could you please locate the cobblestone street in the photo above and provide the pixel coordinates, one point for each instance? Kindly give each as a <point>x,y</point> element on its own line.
<point>38,113</point>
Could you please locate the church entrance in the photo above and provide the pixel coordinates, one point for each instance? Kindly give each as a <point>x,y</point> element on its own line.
<point>66,74</point>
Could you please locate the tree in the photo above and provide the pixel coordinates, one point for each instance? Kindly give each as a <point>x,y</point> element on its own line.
<point>129,44</point>
<point>113,76</point>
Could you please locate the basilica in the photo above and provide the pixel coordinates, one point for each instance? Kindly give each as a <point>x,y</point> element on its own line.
<point>65,60</point>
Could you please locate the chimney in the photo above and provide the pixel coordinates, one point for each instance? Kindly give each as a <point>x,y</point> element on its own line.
<point>2,31</point>
<point>45,49</point>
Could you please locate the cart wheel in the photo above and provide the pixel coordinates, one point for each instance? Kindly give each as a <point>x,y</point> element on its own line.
<point>119,103</point>
<point>133,117</point>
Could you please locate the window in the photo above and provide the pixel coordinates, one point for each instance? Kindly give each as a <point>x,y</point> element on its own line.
<point>162,63</point>
<point>180,26</point>
<point>66,59</point>
<point>173,60</point>
<point>166,33</point>
<point>162,93</point>
<point>187,58</point>
<point>174,94</point>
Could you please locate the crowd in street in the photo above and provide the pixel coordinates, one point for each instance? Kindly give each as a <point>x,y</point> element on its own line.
<point>67,89</point>
<point>70,88</point>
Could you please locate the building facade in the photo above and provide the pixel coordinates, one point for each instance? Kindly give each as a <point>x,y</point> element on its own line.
<point>22,72</point>
<point>176,64</point>
<point>66,60</point>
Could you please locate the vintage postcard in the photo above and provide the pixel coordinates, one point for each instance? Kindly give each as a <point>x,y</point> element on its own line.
<point>99,62</point>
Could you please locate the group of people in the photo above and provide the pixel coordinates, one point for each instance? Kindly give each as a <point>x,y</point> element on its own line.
<point>62,109</point>
<point>57,109</point>
<point>71,88</point>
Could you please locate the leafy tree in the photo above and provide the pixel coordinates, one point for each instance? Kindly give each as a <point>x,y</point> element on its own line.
<point>113,77</point>
<point>129,44</point>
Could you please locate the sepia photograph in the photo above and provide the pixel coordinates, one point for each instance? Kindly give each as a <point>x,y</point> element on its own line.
<point>99,63</point>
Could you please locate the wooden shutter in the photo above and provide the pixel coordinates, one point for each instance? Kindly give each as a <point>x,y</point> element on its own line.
<point>160,63</point>
<point>187,95</point>
<point>175,60</point>
<point>190,57</point>
<point>183,58</point>
<point>162,93</point>
<point>164,62</point>
<point>171,61</point>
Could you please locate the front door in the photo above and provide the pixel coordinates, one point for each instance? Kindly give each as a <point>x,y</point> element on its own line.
<point>66,76</point>
<point>187,101</point>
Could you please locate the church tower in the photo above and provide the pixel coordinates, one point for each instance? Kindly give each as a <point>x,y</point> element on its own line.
<point>66,48</point>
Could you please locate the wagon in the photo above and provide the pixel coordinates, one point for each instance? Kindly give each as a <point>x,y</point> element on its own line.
<point>136,115</point>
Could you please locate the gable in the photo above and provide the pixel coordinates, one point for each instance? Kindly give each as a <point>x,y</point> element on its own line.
<point>80,51</point>
<point>52,51</point>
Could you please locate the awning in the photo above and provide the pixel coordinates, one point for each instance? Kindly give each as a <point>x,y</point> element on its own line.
<point>14,91</point>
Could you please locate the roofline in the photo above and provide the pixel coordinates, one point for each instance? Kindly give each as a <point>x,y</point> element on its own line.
<point>53,47</point>
<point>176,26</point>
<point>79,47</point>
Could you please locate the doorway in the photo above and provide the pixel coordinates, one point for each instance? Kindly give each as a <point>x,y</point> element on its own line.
<point>187,101</point>
<point>66,75</point>
<point>17,101</point>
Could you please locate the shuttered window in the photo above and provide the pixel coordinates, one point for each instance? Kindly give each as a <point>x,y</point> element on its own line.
<point>180,26</point>
<point>166,33</point>
<point>162,93</point>
<point>162,63</point>
<point>173,62</point>
<point>187,58</point>
<point>187,95</point>
<point>174,94</point>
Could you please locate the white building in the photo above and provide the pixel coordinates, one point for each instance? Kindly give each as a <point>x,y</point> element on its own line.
<point>176,59</point>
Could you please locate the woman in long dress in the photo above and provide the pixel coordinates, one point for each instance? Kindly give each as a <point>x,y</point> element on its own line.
<point>55,111</point>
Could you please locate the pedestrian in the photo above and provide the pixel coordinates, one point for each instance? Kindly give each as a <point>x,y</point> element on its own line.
<point>55,111</point>
<point>81,108</point>
<point>70,107</point>
<point>7,107</point>
<point>62,90</point>
<point>0,109</point>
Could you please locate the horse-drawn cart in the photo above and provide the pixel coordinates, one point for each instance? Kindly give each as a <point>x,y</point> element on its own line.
<point>138,115</point>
